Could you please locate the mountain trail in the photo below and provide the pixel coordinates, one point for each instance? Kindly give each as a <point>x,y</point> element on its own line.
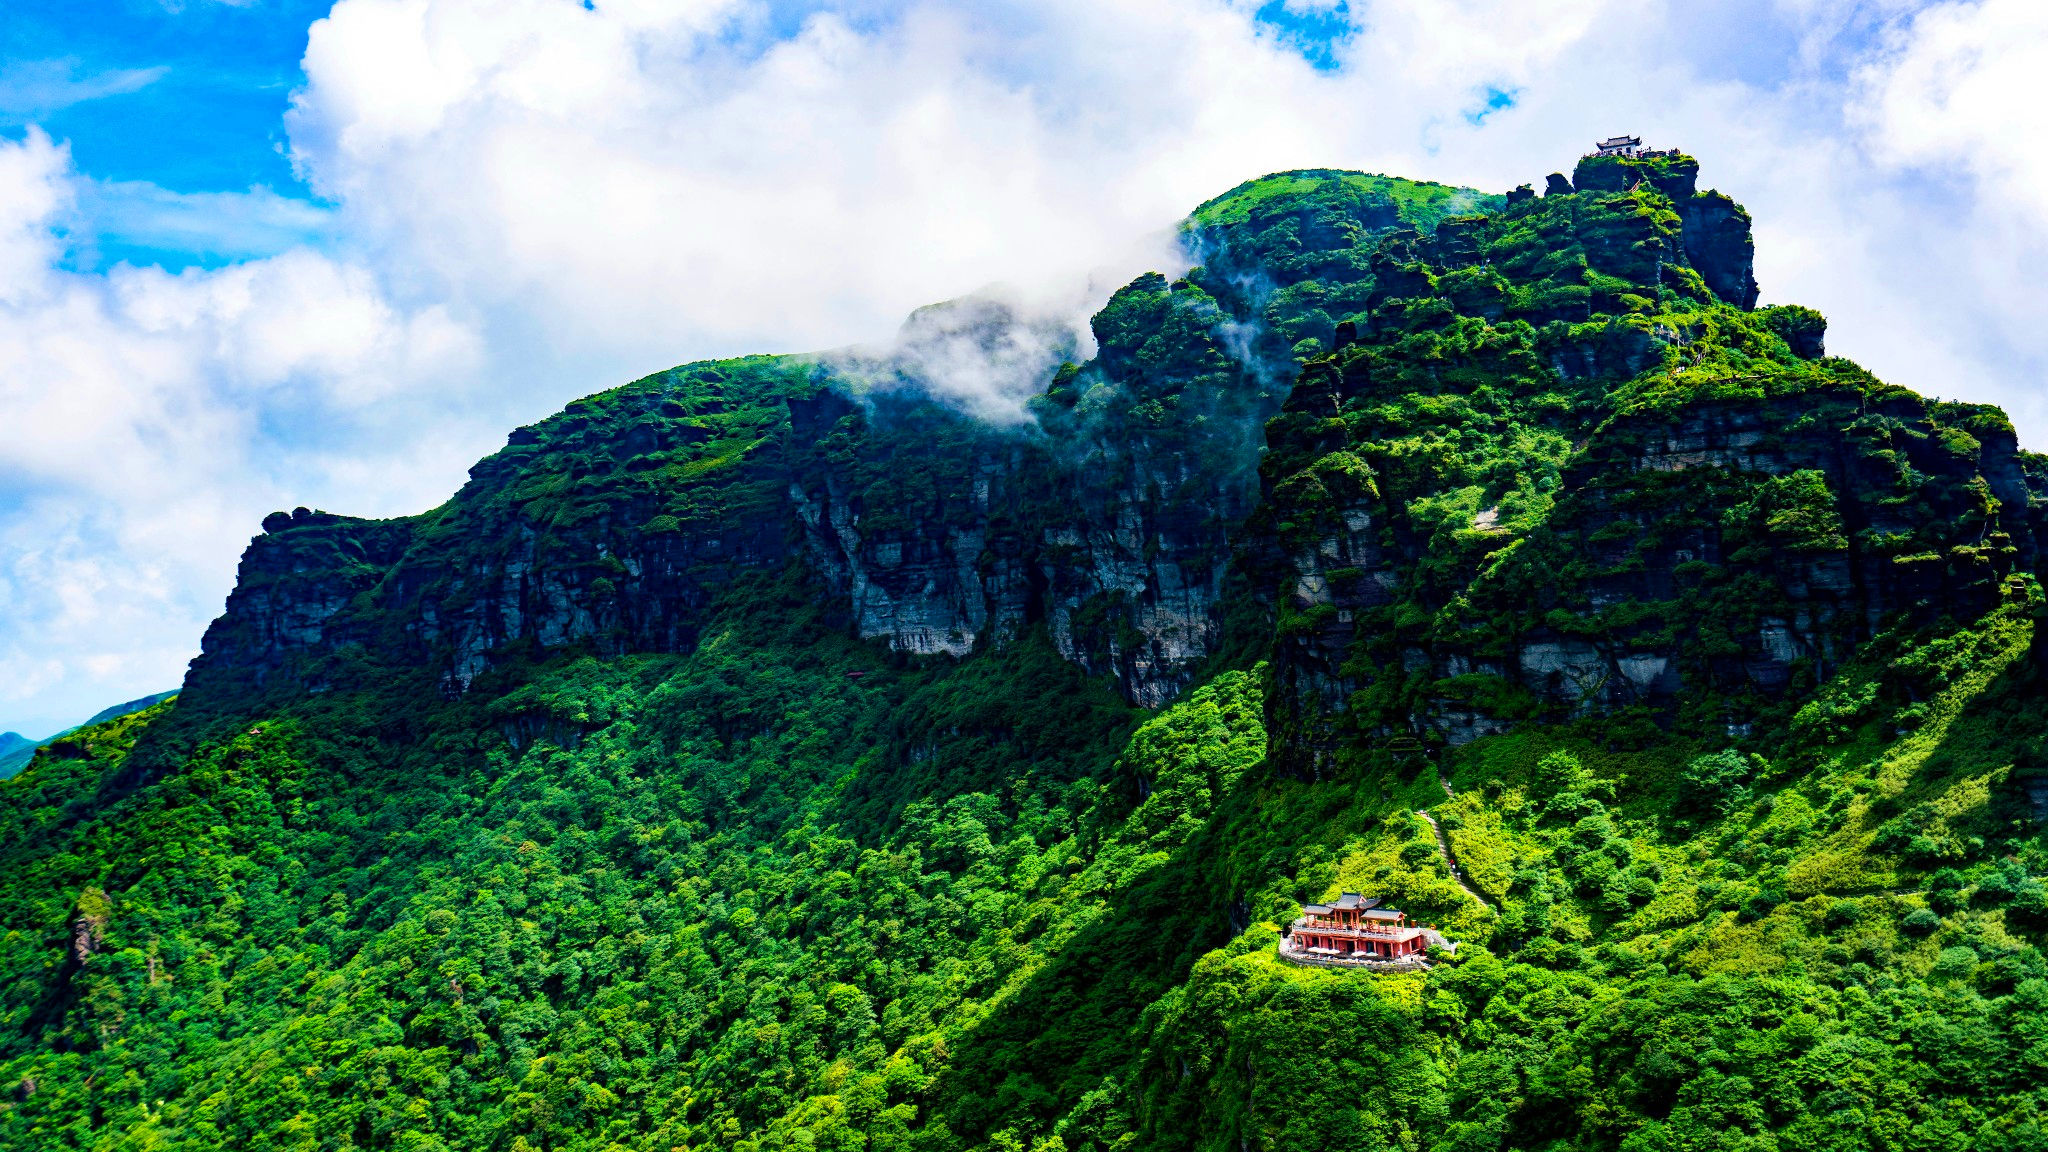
<point>1443,847</point>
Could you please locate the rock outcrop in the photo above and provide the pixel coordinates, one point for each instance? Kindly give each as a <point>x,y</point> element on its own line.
<point>1457,544</point>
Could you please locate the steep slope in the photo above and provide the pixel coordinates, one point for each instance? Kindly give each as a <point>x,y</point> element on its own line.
<point>767,754</point>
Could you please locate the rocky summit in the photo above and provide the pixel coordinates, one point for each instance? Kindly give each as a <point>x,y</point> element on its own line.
<point>982,743</point>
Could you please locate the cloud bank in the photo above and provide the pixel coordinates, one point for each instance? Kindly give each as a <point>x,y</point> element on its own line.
<point>532,200</point>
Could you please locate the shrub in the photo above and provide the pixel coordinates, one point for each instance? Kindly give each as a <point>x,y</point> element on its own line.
<point>1997,888</point>
<point>1799,512</point>
<point>1561,772</point>
<point>1944,890</point>
<point>1716,783</point>
<point>1762,904</point>
<point>1956,963</point>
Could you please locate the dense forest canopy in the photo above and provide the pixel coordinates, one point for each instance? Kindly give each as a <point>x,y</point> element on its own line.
<point>753,757</point>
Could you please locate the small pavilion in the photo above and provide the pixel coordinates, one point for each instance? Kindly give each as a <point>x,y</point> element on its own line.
<point>1355,927</point>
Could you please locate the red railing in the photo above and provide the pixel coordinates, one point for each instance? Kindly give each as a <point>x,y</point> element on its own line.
<point>1309,950</point>
<point>1353,929</point>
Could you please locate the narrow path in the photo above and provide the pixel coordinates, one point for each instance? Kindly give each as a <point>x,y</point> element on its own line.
<point>1443,847</point>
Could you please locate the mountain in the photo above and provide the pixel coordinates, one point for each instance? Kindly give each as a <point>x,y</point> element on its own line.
<point>17,750</point>
<point>864,751</point>
<point>123,709</point>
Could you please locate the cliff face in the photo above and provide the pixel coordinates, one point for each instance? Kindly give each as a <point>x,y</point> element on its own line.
<point>1105,520</point>
<point>1714,555</point>
<point>569,536</point>
<point>1109,515</point>
<point>1544,457</point>
<point>1572,470</point>
<point>1713,236</point>
<point>1124,566</point>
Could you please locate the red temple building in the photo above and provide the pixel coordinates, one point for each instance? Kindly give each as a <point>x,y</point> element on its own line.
<point>1355,929</point>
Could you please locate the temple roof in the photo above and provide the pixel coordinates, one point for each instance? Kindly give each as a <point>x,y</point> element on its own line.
<point>1354,900</point>
<point>1383,914</point>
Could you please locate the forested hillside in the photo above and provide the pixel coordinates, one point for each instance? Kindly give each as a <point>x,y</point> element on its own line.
<point>771,755</point>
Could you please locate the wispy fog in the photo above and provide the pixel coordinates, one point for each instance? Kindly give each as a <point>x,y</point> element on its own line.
<point>987,353</point>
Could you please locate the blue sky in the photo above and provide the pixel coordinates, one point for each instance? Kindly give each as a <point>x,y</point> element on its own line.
<point>170,106</point>
<point>159,99</point>
<point>252,256</point>
<point>165,106</point>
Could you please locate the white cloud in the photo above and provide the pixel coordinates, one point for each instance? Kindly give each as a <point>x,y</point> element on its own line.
<point>620,186</point>
<point>536,200</point>
<point>1950,114</point>
<point>152,419</point>
<point>986,353</point>
<point>32,191</point>
<point>1960,89</point>
<point>127,215</point>
<point>34,88</point>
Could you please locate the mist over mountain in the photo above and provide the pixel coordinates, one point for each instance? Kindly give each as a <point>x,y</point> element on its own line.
<point>939,745</point>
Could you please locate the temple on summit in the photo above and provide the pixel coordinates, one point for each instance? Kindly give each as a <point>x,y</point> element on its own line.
<point>1355,928</point>
<point>1619,146</point>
